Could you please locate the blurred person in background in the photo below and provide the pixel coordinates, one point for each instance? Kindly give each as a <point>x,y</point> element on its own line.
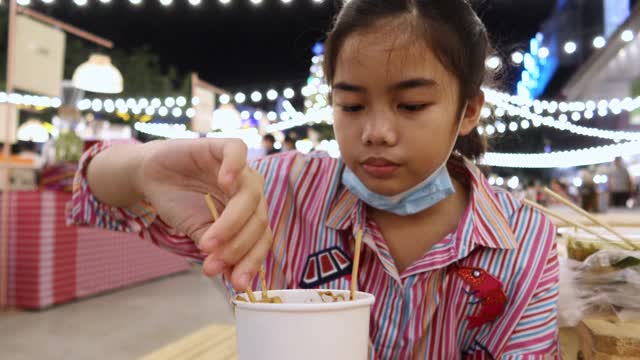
<point>268,142</point>
<point>561,189</point>
<point>288,144</point>
<point>620,184</point>
<point>588,191</point>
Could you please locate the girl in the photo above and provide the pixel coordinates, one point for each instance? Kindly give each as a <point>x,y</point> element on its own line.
<point>458,269</point>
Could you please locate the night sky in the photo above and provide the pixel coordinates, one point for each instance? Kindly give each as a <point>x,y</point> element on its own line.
<point>243,46</point>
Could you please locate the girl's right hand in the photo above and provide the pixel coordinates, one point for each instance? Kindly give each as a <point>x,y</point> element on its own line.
<point>174,176</point>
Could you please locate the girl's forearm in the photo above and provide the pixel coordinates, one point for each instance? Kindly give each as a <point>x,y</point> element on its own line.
<point>114,175</point>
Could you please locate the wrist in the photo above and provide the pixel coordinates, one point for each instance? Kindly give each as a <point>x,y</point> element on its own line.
<point>138,164</point>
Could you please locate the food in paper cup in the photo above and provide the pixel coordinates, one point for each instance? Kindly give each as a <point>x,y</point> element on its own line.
<point>303,324</point>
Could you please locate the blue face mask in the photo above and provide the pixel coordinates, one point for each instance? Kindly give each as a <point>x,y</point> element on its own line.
<point>431,191</point>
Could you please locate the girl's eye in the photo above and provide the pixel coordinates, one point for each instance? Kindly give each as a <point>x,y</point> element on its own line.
<point>352,108</point>
<point>413,107</point>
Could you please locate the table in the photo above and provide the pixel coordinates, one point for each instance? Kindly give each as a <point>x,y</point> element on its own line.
<point>215,342</point>
<point>218,342</point>
<point>52,263</point>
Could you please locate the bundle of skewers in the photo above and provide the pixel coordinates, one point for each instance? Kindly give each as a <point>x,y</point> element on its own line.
<point>600,263</point>
<point>264,294</point>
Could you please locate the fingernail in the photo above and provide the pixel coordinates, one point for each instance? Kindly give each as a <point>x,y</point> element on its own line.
<point>244,280</point>
<point>217,266</point>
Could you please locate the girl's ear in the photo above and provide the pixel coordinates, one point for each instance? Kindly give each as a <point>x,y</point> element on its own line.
<point>471,116</point>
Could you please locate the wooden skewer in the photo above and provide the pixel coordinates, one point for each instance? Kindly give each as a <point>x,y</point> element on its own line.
<point>591,217</point>
<point>356,264</point>
<point>572,223</point>
<point>214,212</point>
<point>263,282</point>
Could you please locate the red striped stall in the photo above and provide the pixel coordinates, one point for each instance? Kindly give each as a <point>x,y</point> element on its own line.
<point>51,263</point>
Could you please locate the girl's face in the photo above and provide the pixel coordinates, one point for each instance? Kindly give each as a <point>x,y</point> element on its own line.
<point>396,109</point>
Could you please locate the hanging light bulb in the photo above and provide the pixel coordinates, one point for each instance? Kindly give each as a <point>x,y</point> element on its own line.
<point>599,42</point>
<point>627,35</point>
<point>224,99</point>
<point>517,57</point>
<point>272,94</point>
<point>493,62</point>
<point>570,47</point>
<point>256,96</point>
<point>289,93</point>
<point>98,75</point>
<point>543,52</point>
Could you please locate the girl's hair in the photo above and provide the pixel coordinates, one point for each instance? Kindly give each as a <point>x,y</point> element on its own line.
<point>450,28</point>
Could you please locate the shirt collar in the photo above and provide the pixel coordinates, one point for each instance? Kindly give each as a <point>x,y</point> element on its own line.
<point>489,217</point>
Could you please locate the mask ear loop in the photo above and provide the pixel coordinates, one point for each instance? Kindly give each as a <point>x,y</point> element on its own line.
<point>454,151</point>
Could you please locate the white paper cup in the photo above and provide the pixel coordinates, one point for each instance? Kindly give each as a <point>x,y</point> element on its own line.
<point>303,326</point>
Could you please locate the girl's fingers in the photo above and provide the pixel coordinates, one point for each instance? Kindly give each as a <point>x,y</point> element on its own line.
<point>247,268</point>
<point>234,250</point>
<point>212,266</point>
<point>240,208</point>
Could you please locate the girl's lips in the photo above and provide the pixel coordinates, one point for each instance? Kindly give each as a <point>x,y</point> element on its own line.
<point>380,170</point>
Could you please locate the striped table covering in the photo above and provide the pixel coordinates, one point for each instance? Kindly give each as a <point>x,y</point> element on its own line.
<point>51,263</point>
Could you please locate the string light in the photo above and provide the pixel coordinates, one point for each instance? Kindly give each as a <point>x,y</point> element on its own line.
<point>224,99</point>
<point>563,159</point>
<point>272,94</point>
<point>599,42</point>
<point>288,93</point>
<point>240,98</point>
<point>80,2</point>
<point>570,47</point>
<point>225,2</point>
<point>195,2</point>
<point>256,2</point>
<point>493,62</point>
<point>135,2</point>
<point>627,35</point>
<point>256,96</point>
<point>543,52</point>
<point>166,2</point>
<point>517,57</point>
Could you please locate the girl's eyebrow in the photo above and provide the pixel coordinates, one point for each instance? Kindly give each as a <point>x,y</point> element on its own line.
<point>343,86</point>
<point>414,83</point>
<point>402,85</point>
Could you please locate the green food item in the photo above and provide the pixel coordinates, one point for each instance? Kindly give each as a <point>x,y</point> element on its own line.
<point>68,147</point>
<point>627,262</point>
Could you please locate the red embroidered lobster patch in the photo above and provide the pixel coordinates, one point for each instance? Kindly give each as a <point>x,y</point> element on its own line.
<point>488,293</point>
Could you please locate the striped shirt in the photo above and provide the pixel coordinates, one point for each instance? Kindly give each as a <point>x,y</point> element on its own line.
<point>425,312</point>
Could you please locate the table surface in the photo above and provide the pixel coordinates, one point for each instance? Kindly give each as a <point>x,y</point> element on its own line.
<point>218,342</point>
<point>215,342</point>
